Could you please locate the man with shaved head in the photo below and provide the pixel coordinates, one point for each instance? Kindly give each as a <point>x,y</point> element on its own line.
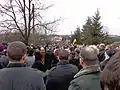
<point>61,75</point>
<point>88,77</point>
<point>17,76</point>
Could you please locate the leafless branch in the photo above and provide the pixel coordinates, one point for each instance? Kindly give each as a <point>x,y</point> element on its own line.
<point>19,15</point>
<point>5,7</point>
<point>16,21</point>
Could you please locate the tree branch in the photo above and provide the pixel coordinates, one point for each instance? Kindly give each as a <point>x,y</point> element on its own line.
<point>25,20</point>
<point>14,19</point>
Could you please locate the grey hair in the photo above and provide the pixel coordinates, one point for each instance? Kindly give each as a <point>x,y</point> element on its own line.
<point>89,54</point>
<point>95,47</point>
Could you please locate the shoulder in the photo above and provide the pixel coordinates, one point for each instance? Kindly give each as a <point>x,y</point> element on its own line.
<point>87,76</point>
<point>73,67</point>
<point>78,80</point>
<point>81,80</point>
<point>37,72</point>
<point>50,73</point>
<point>62,68</point>
<point>4,70</point>
<point>84,83</point>
<point>21,69</point>
<point>78,84</point>
<point>33,69</point>
<point>74,85</point>
<point>53,69</point>
<point>25,70</point>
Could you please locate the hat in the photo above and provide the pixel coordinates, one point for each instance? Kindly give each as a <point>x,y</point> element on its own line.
<point>1,48</point>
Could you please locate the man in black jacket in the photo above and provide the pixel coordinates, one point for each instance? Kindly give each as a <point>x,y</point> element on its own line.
<point>17,76</point>
<point>60,76</point>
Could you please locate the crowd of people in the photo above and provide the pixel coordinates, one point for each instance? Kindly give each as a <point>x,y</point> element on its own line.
<point>55,67</point>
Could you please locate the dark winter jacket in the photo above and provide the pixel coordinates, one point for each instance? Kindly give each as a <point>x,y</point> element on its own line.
<point>101,55</point>
<point>18,77</point>
<point>60,76</point>
<point>38,65</point>
<point>49,58</point>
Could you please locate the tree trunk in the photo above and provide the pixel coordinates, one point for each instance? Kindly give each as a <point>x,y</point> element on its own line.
<point>26,40</point>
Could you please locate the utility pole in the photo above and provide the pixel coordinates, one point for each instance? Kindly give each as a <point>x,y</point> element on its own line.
<point>33,36</point>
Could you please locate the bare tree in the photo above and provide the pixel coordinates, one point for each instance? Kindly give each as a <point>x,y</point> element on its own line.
<point>18,15</point>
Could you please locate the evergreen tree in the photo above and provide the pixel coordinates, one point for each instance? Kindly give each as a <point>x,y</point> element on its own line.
<point>92,31</point>
<point>107,39</point>
<point>98,34</point>
<point>87,32</point>
<point>77,36</point>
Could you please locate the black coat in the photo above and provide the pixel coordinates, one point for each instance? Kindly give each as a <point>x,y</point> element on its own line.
<point>49,62</point>
<point>60,76</point>
<point>18,77</point>
<point>38,65</point>
<point>101,55</point>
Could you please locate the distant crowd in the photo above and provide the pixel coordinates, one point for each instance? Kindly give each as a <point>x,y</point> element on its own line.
<point>59,67</point>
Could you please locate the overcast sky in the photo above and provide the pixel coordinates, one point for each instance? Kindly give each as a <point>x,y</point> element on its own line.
<point>75,13</point>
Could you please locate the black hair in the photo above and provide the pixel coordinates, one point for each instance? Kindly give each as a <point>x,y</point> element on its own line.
<point>30,52</point>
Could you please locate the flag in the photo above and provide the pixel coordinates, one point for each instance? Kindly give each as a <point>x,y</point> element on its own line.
<point>74,41</point>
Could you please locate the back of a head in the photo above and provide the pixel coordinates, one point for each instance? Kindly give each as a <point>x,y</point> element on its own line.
<point>56,52</point>
<point>63,54</point>
<point>89,54</point>
<point>110,77</point>
<point>16,50</point>
<point>95,48</point>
